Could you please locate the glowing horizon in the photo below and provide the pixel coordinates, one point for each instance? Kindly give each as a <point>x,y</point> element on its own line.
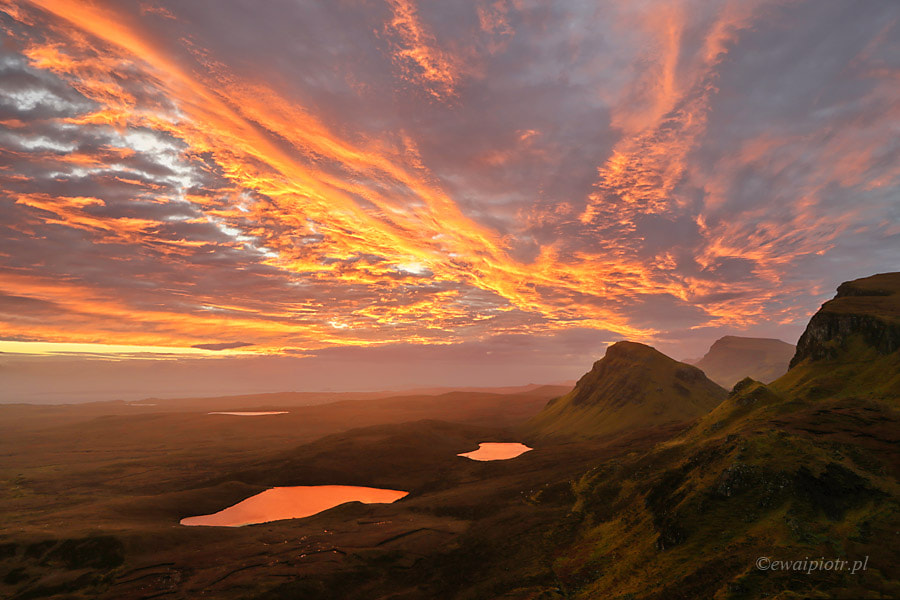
<point>69,348</point>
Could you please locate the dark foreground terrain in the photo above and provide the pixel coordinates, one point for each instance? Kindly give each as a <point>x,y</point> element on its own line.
<point>801,468</point>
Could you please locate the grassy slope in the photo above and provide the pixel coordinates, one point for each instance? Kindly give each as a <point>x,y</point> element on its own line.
<point>859,372</point>
<point>805,467</point>
<point>633,386</point>
<point>755,478</point>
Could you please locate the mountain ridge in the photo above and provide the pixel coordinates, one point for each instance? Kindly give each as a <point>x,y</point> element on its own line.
<point>807,465</point>
<point>868,307</point>
<point>633,385</point>
<point>731,358</point>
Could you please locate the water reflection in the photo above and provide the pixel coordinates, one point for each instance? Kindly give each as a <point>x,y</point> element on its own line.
<point>295,502</point>
<point>497,451</point>
<point>250,414</point>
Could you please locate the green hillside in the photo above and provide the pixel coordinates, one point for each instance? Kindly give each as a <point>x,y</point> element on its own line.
<point>806,467</point>
<point>850,347</point>
<point>633,386</point>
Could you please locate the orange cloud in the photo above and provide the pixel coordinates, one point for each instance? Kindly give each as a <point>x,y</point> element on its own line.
<point>417,54</point>
<point>368,245</point>
<point>246,128</point>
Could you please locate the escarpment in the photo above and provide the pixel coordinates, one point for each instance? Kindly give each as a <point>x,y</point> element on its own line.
<point>864,311</point>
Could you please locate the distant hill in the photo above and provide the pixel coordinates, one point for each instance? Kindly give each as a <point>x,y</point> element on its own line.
<point>633,386</point>
<point>732,358</point>
<point>266,401</point>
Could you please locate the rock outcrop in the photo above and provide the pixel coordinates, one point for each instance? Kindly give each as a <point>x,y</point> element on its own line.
<point>865,310</point>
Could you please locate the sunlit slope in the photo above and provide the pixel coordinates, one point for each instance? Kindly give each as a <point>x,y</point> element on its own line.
<point>633,386</point>
<point>732,358</point>
<point>807,466</point>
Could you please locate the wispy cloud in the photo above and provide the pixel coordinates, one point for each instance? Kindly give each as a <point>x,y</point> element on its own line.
<point>638,170</point>
<point>417,53</point>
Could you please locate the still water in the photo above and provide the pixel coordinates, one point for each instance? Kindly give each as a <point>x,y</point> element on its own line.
<point>251,414</point>
<point>294,502</point>
<point>497,451</point>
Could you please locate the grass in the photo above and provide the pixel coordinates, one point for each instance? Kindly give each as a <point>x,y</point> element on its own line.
<point>632,387</point>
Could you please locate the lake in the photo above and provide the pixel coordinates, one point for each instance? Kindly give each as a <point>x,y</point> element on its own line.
<point>250,414</point>
<point>497,451</point>
<point>293,502</point>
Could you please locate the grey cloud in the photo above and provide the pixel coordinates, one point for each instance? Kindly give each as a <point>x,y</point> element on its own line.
<point>25,306</point>
<point>222,345</point>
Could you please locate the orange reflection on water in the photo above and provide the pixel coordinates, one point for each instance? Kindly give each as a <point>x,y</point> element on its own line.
<point>294,502</point>
<point>497,451</point>
<point>250,414</point>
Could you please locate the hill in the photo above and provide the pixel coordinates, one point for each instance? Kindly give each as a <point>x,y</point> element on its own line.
<point>850,347</point>
<point>732,358</point>
<point>633,386</point>
<point>807,466</point>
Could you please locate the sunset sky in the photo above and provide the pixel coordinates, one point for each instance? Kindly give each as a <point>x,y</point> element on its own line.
<point>216,196</point>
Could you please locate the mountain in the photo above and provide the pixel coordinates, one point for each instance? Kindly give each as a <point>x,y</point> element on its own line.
<point>850,347</point>
<point>807,466</point>
<point>633,386</point>
<point>732,358</point>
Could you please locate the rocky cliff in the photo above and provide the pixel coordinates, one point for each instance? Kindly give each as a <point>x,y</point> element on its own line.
<point>865,311</point>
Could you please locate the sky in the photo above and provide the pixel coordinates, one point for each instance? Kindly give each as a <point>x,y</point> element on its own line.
<point>236,196</point>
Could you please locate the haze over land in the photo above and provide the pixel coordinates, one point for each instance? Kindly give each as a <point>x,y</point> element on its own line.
<point>309,196</point>
<point>731,358</point>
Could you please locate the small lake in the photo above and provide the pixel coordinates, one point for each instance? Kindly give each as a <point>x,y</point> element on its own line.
<point>294,502</point>
<point>497,451</point>
<point>251,414</point>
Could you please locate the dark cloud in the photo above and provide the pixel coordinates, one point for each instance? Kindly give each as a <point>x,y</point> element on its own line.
<point>222,345</point>
<point>23,306</point>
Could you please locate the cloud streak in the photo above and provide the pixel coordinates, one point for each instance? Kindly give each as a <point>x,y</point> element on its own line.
<point>485,174</point>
